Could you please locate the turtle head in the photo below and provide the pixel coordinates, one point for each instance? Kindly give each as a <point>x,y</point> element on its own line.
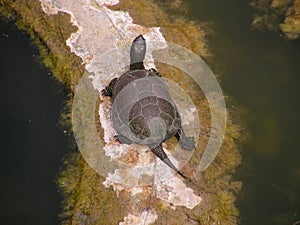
<point>137,53</point>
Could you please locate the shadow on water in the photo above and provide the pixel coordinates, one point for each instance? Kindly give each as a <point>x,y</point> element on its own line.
<point>261,70</point>
<point>31,145</point>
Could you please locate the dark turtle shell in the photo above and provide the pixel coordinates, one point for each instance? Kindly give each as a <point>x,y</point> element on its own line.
<point>139,96</point>
<point>149,108</point>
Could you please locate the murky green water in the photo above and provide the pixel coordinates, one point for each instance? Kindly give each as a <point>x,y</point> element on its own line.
<point>31,145</point>
<point>261,71</point>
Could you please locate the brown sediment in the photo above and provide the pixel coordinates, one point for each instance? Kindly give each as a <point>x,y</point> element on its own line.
<point>278,15</point>
<point>86,200</point>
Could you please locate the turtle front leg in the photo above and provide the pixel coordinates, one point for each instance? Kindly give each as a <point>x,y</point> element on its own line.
<point>187,143</point>
<point>107,91</point>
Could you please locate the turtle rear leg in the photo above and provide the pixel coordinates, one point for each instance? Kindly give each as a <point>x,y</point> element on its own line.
<point>187,143</point>
<point>160,153</point>
<point>107,91</point>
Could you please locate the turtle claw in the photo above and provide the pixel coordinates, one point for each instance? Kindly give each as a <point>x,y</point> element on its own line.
<point>155,71</point>
<point>105,92</point>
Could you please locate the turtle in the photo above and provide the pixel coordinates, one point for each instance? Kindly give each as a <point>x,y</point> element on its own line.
<point>145,112</point>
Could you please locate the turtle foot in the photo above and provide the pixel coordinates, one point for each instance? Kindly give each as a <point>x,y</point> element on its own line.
<point>106,92</point>
<point>187,143</point>
<point>156,72</point>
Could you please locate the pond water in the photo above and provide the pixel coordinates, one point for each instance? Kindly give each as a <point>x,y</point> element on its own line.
<point>32,147</point>
<point>261,71</point>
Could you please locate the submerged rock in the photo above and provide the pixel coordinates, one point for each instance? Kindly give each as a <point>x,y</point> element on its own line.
<point>291,23</point>
<point>275,15</point>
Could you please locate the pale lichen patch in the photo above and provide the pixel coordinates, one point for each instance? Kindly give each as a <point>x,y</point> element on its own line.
<point>145,218</point>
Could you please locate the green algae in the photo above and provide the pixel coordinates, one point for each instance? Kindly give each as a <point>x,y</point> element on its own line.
<point>175,29</point>
<point>216,182</point>
<point>278,15</point>
<point>86,200</point>
<point>49,34</point>
<point>82,204</point>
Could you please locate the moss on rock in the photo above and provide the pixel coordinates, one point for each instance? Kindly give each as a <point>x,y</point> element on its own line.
<point>49,34</point>
<point>278,15</point>
<point>87,201</point>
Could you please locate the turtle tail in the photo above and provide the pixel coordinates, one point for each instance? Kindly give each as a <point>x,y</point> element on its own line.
<point>137,53</point>
<point>160,153</point>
